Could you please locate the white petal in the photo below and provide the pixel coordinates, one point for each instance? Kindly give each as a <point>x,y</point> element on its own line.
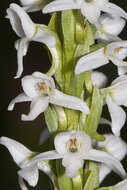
<point>18,151</point>
<point>27,24</point>
<point>99,79</point>
<point>114,10</point>
<point>43,37</point>
<point>15,22</point>
<point>105,121</point>
<point>30,174</point>
<point>61,140</point>
<point>91,61</point>
<point>121,186</point>
<point>118,116</point>
<point>110,161</point>
<point>103,172</point>
<point>50,155</point>
<point>111,25</point>
<point>122,70</point>
<point>117,61</point>
<point>22,50</point>
<point>112,144</point>
<point>22,184</point>
<point>17,43</point>
<point>20,98</point>
<point>72,165</point>
<point>37,106</point>
<point>67,101</point>
<point>30,2</point>
<point>91,11</point>
<point>60,5</point>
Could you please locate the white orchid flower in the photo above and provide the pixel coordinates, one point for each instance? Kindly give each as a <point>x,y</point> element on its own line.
<point>32,5</point>
<point>40,90</point>
<point>114,146</point>
<point>75,146</point>
<point>91,9</point>
<point>22,157</point>
<point>99,79</point>
<point>28,31</point>
<point>117,96</point>
<point>115,52</point>
<point>109,28</point>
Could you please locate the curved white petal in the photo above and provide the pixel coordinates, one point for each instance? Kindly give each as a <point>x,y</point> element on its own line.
<point>62,139</point>
<point>30,3</point>
<point>26,45</point>
<point>110,161</point>
<point>122,185</point>
<point>72,165</point>
<point>114,10</point>
<point>50,155</point>
<point>99,79</point>
<point>43,37</point>
<point>15,22</point>
<point>103,172</point>
<point>18,151</point>
<point>20,98</point>
<point>105,121</point>
<point>118,116</point>
<point>117,61</point>
<point>68,101</point>
<point>30,174</point>
<point>111,25</point>
<point>60,5</point>
<point>22,184</point>
<point>91,61</point>
<point>22,50</point>
<point>114,45</point>
<point>38,106</point>
<point>112,144</point>
<point>27,24</point>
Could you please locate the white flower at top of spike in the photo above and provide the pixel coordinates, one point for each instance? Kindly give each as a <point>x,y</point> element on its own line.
<point>115,52</point>
<point>40,90</point>
<point>117,96</point>
<point>99,79</point>
<point>22,156</point>
<point>116,147</point>
<point>27,31</point>
<point>109,27</point>
<point>32,5</point>
<point>91,9</point>
<point>74,147</point>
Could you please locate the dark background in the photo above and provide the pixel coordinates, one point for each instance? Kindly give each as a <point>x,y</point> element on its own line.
<point>27,133</point>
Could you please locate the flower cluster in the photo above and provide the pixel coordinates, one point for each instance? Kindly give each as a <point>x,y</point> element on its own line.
<point>72,95</point>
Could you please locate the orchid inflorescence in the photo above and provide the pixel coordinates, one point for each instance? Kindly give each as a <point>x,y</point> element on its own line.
<point>82,35</point>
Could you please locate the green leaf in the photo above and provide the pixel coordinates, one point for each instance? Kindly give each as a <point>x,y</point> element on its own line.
<point>69,45</point>
<point>91,180</point>
<point>64,182</point>
<point>93,118</point>
<point>51,119</point>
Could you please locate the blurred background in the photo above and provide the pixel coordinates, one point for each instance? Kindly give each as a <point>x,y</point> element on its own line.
<point>28,133</point>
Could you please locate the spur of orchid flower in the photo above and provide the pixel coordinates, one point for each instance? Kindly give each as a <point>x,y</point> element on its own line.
<point>91,9</point>
<point>75,146</point>
<point>115,52</point>
<point>109,28</point>
<point>111,145</point>
<point>28,31</point>
<point>40,90</point>
<point>22,157</point>
<point>115,96</point>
